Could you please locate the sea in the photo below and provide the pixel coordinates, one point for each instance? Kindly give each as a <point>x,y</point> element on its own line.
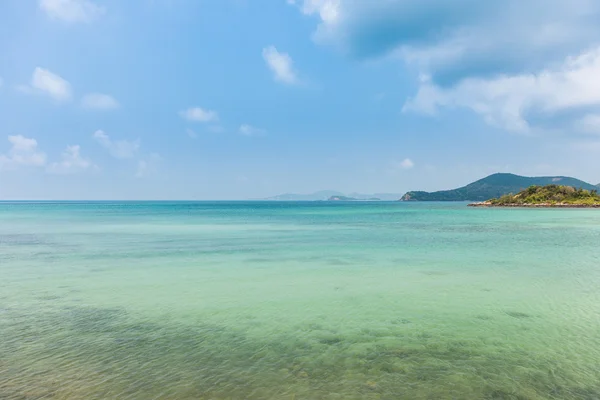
<point>298,300</point>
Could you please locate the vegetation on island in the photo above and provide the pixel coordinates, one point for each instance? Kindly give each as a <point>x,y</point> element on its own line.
<point>548,196</point>
<point>495,186</point>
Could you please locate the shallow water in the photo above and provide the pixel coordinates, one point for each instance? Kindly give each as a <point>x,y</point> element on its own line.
<point>298,301</point>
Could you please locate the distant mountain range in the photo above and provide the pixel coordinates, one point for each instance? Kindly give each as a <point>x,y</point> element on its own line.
<point>494,186</point>
<point>333,195</point>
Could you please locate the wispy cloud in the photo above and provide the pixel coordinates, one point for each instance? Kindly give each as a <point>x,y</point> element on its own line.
<point>198,114</point>
<point>121,149</point>
<point>99,101</point>
<point>72,10</point>
<point>248,130</point>
<point>281,65</point>
<point>48,83</point>
<point>71,162</point>
<point>23,152</point>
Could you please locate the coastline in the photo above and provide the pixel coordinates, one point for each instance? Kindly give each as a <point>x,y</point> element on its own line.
<point>537,205</point>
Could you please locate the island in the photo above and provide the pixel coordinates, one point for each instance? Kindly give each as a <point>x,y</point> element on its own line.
<point>332,195</point>
<point>557,196</point>
<point>495,186</point>
<point>347,198</point>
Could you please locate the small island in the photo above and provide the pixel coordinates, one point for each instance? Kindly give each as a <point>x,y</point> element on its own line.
<point>546,196</point>
<point>347,198</point>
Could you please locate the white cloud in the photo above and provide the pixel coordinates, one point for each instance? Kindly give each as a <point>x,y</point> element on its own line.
<point>504,60</point>
<point>407,163</point>
<point>199,114</point>
<point>121,149</point>
<point>99,101</point>
<point>506,100</point>
<point>71,10</point>
<point>248,130</point>
<point>23,152</point>
<point>71,162</point>
<point>48,83</point>
<point>327,10</point>
<point>281,65</point>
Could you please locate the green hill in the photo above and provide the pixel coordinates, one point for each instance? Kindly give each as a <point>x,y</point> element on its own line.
<point>494,186</point>
<point>546,196</point>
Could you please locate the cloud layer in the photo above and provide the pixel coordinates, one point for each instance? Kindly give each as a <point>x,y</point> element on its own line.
<point>451,40</point>
<point>518,64</point>
<point>508,100</point>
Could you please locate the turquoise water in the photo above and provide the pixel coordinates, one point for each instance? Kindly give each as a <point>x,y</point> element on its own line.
<point>298,301</point>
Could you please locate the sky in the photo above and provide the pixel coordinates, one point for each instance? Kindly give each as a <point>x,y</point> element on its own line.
<point>244,99</point>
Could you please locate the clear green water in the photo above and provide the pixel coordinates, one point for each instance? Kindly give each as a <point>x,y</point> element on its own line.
<point>298,301</point>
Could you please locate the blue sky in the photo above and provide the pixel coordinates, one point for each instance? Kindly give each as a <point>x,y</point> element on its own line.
<point>237,99</point>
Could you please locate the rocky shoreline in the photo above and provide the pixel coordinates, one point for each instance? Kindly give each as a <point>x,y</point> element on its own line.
<point>537,205</point>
